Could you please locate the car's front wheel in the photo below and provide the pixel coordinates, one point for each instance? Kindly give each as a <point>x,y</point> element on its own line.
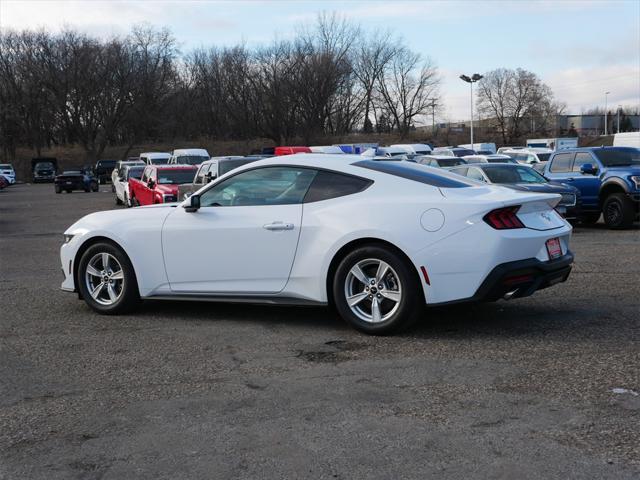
<point>618,211</point>
<point>106,279</point>
<point>377,291</point>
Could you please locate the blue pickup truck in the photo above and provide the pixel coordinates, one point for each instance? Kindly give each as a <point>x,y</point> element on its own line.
<point>608,179</point>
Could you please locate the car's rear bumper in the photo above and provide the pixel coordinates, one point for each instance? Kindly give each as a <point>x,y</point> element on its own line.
<point>520,279</point>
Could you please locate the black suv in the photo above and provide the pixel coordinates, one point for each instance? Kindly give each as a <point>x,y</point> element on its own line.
<point>103,170</point>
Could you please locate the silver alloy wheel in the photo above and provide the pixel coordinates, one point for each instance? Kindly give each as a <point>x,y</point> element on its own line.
<point>104,278</point>
<point>373,290</point>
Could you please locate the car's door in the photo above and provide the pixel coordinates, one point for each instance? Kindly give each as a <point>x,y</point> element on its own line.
<point>145,195</point>
<point>560,168</point>
<point>243,238</point>
<point>587,183</point>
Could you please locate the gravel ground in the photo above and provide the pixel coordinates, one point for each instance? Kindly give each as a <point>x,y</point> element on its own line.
<point>521,389</point>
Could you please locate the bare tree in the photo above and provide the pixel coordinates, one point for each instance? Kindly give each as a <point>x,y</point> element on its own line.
<point>513,97</point>
<point>407,88</point>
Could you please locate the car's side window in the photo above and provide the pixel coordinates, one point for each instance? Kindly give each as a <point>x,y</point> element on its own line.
<point>561,163</point>
<point>581,159</point>
<point>328,185</point>
<point>261,186</point>
<point>476,174</point>
<point>200,174</point>
<point>461,171</point>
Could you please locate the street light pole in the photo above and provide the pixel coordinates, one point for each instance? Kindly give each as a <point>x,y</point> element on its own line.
<point>471,80</point>
<point>605,112</point>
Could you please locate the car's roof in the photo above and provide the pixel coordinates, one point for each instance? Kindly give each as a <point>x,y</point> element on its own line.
<point>174,166</point>
<point>191,151</point>
<point>591,149</point>
<point>156,154</point>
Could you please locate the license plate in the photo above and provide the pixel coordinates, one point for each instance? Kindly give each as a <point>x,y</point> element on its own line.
<point>553,248</point>
<point>69,183</point>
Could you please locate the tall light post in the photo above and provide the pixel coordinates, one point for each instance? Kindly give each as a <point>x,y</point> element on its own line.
<point>471,80</point>
<point>605,112</point>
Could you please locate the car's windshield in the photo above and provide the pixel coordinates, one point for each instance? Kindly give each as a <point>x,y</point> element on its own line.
<point>167,177</point>
<point>446,162</point>
<point>513,174</point>
<point>191,159</point>
<point>461,152</point>
<point>618,157</point>
<point>135,172</point>
<point>159,161</point>
<point>44,165</point>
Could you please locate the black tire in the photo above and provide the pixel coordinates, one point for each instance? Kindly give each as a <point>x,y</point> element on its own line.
<point>407,310</point>
<point>134,202</point>
<point>87,189</point>
<point>118,201</point>
<point>94,186</point>
<point>618,211</point>
<point>113,188</point>
<point>129,297</point>
<point>68,191</point>
<point>57,189</point>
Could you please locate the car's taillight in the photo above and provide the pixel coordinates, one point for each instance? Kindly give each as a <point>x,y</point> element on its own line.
<point>504,218</point>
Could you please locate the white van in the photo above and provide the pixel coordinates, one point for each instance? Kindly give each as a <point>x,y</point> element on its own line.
<point>414,148</point>
<point>189,156</point>
<point>155,158</point>
<point>481,148</point>
<point>327,149</point>
<point>627,139</point>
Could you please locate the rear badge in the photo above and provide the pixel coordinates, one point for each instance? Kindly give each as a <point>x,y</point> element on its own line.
<point>553,248</point>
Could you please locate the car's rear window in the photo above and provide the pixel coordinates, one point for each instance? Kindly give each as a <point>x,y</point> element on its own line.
<point>618,157</point>
<point>417,173</point>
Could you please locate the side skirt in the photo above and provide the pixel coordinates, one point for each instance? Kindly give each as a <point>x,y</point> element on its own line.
<point>260,300</point>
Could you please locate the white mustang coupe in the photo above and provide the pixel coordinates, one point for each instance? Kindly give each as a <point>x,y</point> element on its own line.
<point>377,239</point>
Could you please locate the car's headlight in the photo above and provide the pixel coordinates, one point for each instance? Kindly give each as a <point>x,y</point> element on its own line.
<point>636,180</point>
<point>67,237</point>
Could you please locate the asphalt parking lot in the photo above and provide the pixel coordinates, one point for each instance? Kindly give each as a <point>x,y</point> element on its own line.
<point>523,389</point>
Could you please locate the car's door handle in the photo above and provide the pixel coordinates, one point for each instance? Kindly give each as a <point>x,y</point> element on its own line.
<point>278,226</point>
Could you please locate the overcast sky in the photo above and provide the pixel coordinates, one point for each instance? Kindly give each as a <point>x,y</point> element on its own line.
<point>579,48</point>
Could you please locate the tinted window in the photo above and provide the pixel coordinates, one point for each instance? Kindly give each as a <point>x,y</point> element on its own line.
<point>561,163</point>
<point>172,177</point>
<point>413,171</point>
<point>327,185</point>
<point>513,174</point>
<point>462,152</point>
<point>135,172</point>
<point>160,161</point>
<point>190,159</point>
<point>581,159</point>
<point>262,186</point>
<point>543,157</point>
<point>448,163</point>
<point>613,157</point>
<point>230,164</point>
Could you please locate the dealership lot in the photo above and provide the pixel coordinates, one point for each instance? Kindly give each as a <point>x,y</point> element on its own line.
<point>521,389</point>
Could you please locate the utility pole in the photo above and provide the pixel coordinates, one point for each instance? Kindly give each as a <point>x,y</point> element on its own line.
<point>605,112</point>
<point>433,115</point>
<point>619,108</point>
<point>471,80</point>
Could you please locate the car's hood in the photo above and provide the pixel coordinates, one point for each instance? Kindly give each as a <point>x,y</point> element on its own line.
<point>115,221</point>
<point>171,189</point>
<point>542,187</point>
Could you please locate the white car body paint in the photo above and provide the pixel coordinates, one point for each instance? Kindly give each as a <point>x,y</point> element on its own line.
<point>226,251</point>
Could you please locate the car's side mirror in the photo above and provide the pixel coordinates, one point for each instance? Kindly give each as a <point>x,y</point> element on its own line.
<point>210,177</point>
<point>588,169</point>
<point>192,204</point>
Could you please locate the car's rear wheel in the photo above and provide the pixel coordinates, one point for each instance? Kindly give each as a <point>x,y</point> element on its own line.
<point>57,189</point>
<point>618,211</point>
<point>118,201</point>
<point>106,279</point>
<point>94,186</point>
<point>377,291</point>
